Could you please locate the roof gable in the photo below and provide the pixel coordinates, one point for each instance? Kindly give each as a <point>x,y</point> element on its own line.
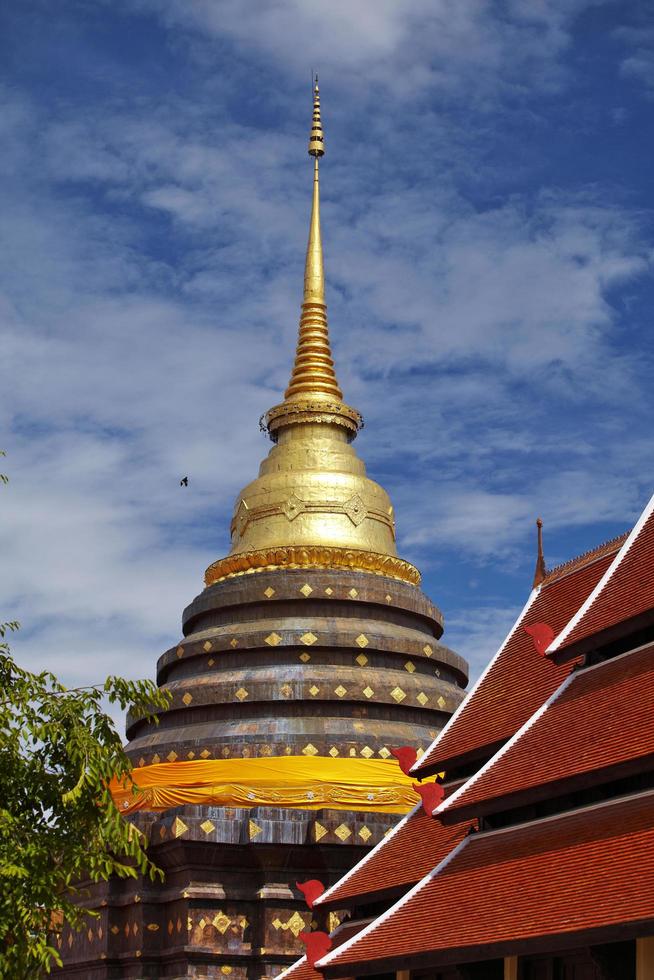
<point>518,679</point>
<point>624,594</point>
<point>595,728</point>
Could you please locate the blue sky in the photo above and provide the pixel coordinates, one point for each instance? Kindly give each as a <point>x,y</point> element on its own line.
<point>488,227</point>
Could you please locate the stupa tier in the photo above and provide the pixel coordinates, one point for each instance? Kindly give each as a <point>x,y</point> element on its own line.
<point>303,662</point>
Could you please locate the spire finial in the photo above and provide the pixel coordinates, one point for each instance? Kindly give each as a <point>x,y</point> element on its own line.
<point>541,570</point>
<point>316,137</point>
<point>313,393</point>
<point>313,371</point>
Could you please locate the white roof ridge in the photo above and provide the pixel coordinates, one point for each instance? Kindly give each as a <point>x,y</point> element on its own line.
<point>473,690</point>
<point>531,721</point>
<point>615,564</point>
<point>325,961</point>
<point>368,857</point>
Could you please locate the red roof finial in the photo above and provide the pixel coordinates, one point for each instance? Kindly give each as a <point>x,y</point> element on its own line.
<point>541,570</point>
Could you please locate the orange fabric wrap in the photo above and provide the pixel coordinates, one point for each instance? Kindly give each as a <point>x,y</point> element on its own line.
<point>302,782</point>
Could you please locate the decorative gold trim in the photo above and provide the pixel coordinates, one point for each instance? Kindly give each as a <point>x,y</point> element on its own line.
<point>293,412</point>
<point>311,556</point>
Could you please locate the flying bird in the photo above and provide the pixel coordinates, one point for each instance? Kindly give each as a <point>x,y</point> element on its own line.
<point>317,944</point>
<point>432,794</point>
<point>311,890</point>
<point>406,756</point>
<point>541,635</point>
<point>184,481</point>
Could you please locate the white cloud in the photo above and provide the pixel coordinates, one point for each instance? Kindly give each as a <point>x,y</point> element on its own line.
<point>149,292</point>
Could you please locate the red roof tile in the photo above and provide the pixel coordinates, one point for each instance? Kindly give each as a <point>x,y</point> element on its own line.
<point>413,847</point>
<point>625,592</point>
<point>566,876</point>
<point>518,679</point>
<point>596,727</point>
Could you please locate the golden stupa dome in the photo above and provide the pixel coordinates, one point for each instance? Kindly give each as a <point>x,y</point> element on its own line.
<point>312,504</point>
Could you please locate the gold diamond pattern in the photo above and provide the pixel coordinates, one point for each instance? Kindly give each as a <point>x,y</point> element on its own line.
<point>368,691</point>
<point>308,639</point>
<point>313,690</point>
<point>180,651</point>
<point>286,690</point>
<point>171,756</point>
<point>365,834</point>
<point>309,750</point>
<point>441,702</point>
<point>329,591</point>
<point>366,752</point>
<point>353,593</point>
<point>409,666</point>
<point>343,832</point>
<point>179,827</point>
<point>233,643</point>
<point>141,761</point>
<point>207,646</point>
<point>333,751</point>
<point>305,657</point>
<point>319,831</point>
<point>306,590</point>
<point>398,694</point>
<point>296,924</point>
<point>222,922</point>
<point>241,694</point>
<point>427,650</point>
<point>254,829</point>
<point>211,661</point>
<point>276,924</point>
<point>422,698</point>
<point>190,755</point>
<point>273,639</point>
<point>362,660</point>
<point>383,752</point>
<point>362,640</point>
<point>340,690</point>
<point>388,598</point>
<point>156,759</point>
<point>205,753</point>
<point>269,592</point>
<point>153,927</point>
<point>207,826</point>
<point>187,698</point>
<point>226,970</point>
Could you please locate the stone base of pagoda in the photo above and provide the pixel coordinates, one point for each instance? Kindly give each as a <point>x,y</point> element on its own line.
<point>229,905</point>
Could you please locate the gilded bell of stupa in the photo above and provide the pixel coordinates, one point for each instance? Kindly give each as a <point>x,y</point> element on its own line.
<point>312,504</point>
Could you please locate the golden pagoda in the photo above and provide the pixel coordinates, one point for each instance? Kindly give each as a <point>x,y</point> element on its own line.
<point>310,654</point>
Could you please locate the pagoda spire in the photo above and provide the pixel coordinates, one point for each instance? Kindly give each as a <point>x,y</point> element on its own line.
<point>313,393</point>
<point>313,371</point>
<point>541,570</point>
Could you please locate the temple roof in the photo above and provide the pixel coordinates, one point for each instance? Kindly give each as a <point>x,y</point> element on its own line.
<point>572,876</point>
<point>582,735</point>
<point>624,593</point>
<point>518,679</point>
<point>401,859</point>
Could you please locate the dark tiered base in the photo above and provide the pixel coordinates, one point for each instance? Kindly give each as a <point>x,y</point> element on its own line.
<point>229,906</point>
<point>291,662</point>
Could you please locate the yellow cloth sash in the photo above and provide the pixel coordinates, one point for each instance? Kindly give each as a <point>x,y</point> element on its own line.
<point>298,781</point>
